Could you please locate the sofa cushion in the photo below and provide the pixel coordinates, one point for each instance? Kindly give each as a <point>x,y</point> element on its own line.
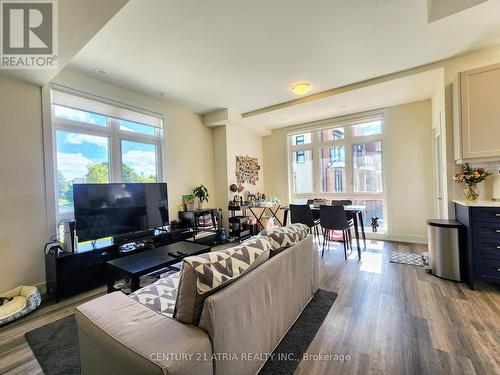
<point>284,237</point>
<point>159,296</point>
<point>204,274</point>
<point>117,335</point>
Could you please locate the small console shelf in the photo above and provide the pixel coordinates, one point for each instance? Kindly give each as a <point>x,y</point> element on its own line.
<point>238,224</point>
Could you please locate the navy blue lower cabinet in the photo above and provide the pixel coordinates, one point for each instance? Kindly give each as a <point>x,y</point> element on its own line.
<point>483,242</point>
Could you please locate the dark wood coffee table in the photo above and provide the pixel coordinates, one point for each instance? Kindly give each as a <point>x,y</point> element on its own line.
<point>149,261</point>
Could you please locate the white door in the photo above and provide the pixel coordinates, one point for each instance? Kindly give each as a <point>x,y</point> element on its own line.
<point>439,172</point>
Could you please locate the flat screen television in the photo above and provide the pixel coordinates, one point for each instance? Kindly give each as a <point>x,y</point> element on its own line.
<point>104,210</point>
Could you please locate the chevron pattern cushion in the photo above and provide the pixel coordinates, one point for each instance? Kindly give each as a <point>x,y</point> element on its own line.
<point>284,237</point>
<point>159,296</point>
<point>204,274</point>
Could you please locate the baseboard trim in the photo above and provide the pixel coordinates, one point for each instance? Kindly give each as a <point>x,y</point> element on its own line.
<point>408,238</point>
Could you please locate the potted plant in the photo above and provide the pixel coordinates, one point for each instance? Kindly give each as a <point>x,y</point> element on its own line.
<point>201,193</point>
<point>471,177</point>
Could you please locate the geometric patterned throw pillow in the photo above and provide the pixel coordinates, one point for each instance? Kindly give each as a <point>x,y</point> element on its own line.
<point>217,268</point>
<point>159,296</point>
<point>203,275</point>
<point>284,237</point>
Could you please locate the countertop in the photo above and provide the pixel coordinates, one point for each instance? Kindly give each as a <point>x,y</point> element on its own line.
<point>478,203</point>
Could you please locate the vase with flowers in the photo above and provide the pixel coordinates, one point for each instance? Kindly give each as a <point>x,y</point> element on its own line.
<point>471,177</point>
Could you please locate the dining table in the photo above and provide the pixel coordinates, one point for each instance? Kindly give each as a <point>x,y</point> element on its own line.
<point>356,211</point>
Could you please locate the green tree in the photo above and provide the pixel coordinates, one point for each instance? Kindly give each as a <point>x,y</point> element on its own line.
<point>65,188</point>
<point>97,173</point>
<point>129,175</point>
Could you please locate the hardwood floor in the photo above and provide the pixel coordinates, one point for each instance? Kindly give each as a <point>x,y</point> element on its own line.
<point>399,319</point>
<point>389,318</point>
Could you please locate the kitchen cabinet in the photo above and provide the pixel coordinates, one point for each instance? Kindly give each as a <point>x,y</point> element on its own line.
<point>482,221</point>
<point>476,113</point>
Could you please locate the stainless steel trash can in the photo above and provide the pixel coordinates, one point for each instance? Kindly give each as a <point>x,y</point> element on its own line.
<point>445,248</point>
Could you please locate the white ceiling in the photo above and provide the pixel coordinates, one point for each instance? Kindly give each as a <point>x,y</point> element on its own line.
<point>243,55</point>
<point>408,89</point>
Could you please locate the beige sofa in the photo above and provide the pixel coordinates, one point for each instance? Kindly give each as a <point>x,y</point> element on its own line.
<point>249,316</point>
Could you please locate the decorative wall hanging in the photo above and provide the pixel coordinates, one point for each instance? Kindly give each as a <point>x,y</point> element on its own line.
<point>247,170</point>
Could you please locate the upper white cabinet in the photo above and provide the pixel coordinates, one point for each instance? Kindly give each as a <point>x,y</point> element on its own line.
<point>476,113</point>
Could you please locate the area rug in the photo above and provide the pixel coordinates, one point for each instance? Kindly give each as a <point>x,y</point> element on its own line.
<point>286,357</point>
<point>55,345</point>
<point>407,258</point>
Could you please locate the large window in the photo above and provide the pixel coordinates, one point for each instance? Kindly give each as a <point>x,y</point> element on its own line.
<point>302,172</point>
<point>333,169</point>
<point>101,147</point>
<point>139,162</point>
<point>367,167</point>
<point>341,160</point>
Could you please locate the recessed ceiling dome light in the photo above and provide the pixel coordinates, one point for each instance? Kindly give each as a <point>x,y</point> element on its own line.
<point>301,88</point>
<point>101,72</point>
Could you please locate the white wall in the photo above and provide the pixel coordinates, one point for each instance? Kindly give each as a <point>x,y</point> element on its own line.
<point>233,140</point>
<point>409,170</point>
<point>23,219</point>
<point>22,186</point>
<point>275,159</point>
<point>221,171</point>
<point>441,208</point>
<point>244,142</point>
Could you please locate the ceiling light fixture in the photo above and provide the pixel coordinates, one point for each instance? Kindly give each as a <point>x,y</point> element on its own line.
<point>101,72</point>
<point>301,88</point>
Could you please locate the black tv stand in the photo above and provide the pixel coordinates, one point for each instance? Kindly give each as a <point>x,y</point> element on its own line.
<point>132,237</point>
<point>68,274</point>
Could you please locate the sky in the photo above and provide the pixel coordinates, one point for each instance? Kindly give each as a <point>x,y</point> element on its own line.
<point>76,151</point>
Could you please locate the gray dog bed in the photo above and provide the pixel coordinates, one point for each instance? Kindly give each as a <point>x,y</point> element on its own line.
<point>18,302</point>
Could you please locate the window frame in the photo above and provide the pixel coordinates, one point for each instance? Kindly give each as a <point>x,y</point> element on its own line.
<point>348,141</point>
<point>115,137</point>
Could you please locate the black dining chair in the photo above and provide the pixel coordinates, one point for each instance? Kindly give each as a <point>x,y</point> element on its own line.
<point>334,218</point>
<point>345,202</point>
<point>302,213</point>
